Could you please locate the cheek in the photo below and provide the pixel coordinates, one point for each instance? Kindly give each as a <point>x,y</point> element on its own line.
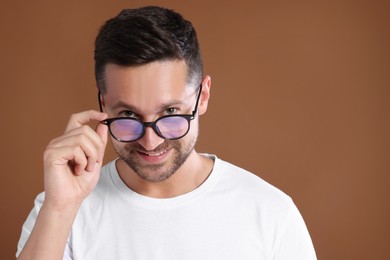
<point>191,137</point>
<point>122,147</point>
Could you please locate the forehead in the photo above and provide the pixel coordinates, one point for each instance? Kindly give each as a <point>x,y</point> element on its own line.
<point>153,74</point>
<point>146,85</point>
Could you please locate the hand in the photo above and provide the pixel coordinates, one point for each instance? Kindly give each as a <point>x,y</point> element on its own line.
<point>72,161</point>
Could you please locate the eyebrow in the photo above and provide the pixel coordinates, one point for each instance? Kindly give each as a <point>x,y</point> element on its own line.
<point>121,104</point>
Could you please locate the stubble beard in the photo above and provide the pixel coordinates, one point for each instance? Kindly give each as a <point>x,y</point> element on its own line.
<point>156,172</point>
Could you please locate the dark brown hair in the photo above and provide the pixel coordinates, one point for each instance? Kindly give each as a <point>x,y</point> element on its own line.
<point>140,36</point>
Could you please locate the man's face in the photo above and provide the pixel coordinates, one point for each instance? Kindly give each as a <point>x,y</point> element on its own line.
<point>148,92</point>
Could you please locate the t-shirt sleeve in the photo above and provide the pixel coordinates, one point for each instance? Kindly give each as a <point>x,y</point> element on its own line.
<point>294,242</point>
<point>29,225</point>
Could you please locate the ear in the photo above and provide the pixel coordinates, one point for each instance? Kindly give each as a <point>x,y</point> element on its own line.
<point>101,101</point>
<point>205,95</point>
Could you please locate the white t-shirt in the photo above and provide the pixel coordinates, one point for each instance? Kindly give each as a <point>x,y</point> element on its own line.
<point>234,214</point>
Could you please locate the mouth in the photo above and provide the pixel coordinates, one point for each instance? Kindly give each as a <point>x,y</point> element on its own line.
<point>153,156</point>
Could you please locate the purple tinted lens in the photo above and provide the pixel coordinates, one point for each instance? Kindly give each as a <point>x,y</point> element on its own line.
<point>126,129</point>
<point>173,127</point>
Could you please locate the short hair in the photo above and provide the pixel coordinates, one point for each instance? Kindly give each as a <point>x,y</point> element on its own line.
<point>144,35</point>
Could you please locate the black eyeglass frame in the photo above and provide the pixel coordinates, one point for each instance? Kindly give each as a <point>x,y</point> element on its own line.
<point>153,124</point>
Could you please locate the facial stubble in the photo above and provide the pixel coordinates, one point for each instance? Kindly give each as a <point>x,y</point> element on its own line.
<point>181,151</point>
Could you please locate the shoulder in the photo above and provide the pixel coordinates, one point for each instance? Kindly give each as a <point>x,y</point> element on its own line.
<point>237,178</point>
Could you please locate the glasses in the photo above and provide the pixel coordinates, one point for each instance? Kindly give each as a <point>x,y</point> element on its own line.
<point>170,127</point>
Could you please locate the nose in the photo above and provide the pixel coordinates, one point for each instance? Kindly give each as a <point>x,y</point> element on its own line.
<point>150,140</point>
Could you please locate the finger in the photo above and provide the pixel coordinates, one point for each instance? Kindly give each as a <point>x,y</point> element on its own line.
<point>79,119</point>
<point>79,161</point>
<point>74,136</point>
<point>87,140</point>
<point>102,131</point>
<point>69,156</point>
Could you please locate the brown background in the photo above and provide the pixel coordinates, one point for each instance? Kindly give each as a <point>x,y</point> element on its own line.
<point>300,96</point>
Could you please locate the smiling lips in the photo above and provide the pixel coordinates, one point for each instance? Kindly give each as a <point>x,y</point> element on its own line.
<point>153,156</point>
<point>153,153</point>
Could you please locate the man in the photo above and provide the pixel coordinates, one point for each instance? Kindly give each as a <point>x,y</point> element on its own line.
<point>160,199</point>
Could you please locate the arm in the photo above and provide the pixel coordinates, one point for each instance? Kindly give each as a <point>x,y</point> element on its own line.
<point>72,165</point>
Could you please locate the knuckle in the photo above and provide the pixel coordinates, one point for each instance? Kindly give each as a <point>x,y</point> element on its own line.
<point>48,154</point>
<point>50,144</point>
<point>73,117</point>
<point>93,155</point>
<point>82,139</point>
<point>91,111</point>
<point>85,128</point>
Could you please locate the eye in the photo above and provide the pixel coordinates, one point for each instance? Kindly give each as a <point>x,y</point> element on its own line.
<point>127,113</point>
<point>171,111</point>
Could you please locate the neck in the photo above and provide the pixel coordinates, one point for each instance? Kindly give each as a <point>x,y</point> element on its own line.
<point>191,174</point>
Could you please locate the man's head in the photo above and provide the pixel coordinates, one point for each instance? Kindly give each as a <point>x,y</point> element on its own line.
<point>145,35</point>
<point>146,61</point>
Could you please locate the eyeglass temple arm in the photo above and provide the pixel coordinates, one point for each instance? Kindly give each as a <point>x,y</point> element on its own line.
<point>100,102</point>
<point>197,101</point>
